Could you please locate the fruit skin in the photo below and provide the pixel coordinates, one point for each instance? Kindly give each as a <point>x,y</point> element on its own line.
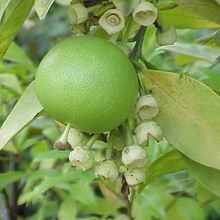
<point>87,82</point>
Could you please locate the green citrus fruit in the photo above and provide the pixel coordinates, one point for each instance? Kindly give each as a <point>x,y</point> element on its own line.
<point>87,82</point>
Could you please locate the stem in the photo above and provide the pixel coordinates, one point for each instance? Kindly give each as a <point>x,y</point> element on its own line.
<point>109,150</point>
<point>128,30</point>
<point>130,204</point>
<point>129,136</point>
<point>13,191</point>
<point>136,52</point>
<point>92,140</point>
<point>147,64</point>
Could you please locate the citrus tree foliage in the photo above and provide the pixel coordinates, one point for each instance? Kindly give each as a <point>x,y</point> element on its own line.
<point>174,48</point>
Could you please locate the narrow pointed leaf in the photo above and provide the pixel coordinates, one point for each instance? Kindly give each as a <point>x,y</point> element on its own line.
<point>24,112</point>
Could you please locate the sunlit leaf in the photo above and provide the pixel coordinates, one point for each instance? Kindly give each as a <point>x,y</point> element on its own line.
<point>11,82</point>
<point>17,11</point>
<point>198,51</point>
<point>42,7</point>
<point>3,6</point>
<point>189,115</point>
<point>23,113</point>
<point>198,14</point>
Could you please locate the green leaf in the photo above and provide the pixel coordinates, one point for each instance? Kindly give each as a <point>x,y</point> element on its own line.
<point>42,7</point>
<point>189,115</point>
<point>23,113</point>
<point>17,11</point>
<point>10,177</point>
<point>54,154</point>
<point>16,54</point>
<point>192,14</point>
<point>67,210</point>
<point>3,6</point>
<point>185,209</point>
<point>204,8</point>
<point>206,176</point>
<point>164,165</point>
<point>11,82</point>
<point>47,184</point>
<point>198,51</point>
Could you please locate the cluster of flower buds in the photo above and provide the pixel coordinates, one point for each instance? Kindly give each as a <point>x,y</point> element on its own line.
<point>135,159</point>
<point>113,20</point>
<point>146,109</point>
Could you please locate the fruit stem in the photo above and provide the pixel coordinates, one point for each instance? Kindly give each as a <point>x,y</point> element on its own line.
<point>128,30</point>
<point>129,136</point>
<point>147,64</point>
<point>92,140</point>
<point>139,37</point>
<point>109,150</point>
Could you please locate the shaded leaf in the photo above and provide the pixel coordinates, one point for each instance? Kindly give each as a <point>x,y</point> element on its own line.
<point>23,113</point>
<point>10,177</point>
<point>207,177</point>
<point>16,54</point>
<point>164,165</point>
<point>17,11</point>
<point>185,209</point>
<point>189,115</point>
<point>67,210</point>
<point>47,184</point>
<point>54,154</point>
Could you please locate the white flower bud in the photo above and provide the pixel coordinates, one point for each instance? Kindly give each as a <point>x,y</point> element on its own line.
<point>134,156</point>
<point>125,6</point>
<point>145,13</point>
<point>148,128</point>
<point>134,177</point>
<point>62,143</point>
<point>112,21</point>
<point>167,37</point>
<point>76,138</point>
<point>107,169</point>
<point>78,13</point>
<point>147,107</point>
<point>81,158</point>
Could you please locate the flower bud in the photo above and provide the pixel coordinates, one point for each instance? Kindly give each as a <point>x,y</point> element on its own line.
<point>148,128</point>
<point>112,21</point>
<point>78,13</point>
<point>62,143</point>
<point>134,177</point>
<point>145,13</point>
<point>167,37</point>
<point>76,138</point>
<point>147,107</point>
<point>125,6</point>
<point>107,169</point>
<point>81,158</point>
<point>134,156</point>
